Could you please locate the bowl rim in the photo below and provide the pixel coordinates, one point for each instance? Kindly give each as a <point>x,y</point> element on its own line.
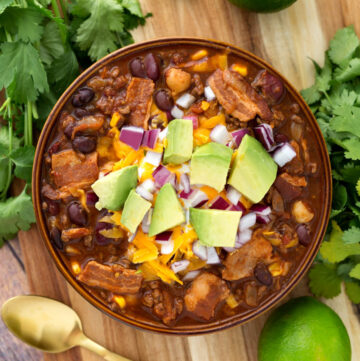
<point>206,327</point>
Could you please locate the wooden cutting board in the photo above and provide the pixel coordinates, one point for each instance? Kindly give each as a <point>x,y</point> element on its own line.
<point>285,40</point>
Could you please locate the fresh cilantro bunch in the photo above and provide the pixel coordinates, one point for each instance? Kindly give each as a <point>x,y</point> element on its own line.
<point>43,44</point>
<point>335,102</point>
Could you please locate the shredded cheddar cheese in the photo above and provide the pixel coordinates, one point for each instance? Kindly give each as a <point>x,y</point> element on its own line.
<point>201,136</point>
<point>241,69</point>
<point>199,54</point>
<point>120,300</point>
<point>114,119</point>
<point>212,122</point>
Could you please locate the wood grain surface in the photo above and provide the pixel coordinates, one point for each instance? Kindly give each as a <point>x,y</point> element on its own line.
<point>285,40</point>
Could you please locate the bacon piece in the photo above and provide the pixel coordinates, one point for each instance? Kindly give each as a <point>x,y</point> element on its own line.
<point>204,294</point>
<point>139,98</point>
<point>241,263</point>
<point>237,96</point>
<point>74,233</point>
<point>88,123</point>
<point>68,168</point>
<point>114,278</point>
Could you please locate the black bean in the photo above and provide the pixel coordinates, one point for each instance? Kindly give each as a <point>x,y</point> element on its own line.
<point>152,67</point>
<point>303,234</point>
<point>53,207</point>
<point>263,275</point>
<point>80,113</point>
<point>69,130</point>
<point>100,239</point>
<point>55,238</point>
<point>163,99</point>
<point>77,214</point>
<point>137,68</point>
<point>82,97</point>
<point>84,144</point>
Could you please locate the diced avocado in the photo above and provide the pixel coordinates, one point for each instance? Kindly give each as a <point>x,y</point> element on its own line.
<point>134,211</point>
<point>253,171</point>
<point>215,228</point>
<point>210,165</point>
<point>179,139</point>
<point>167,213</point>
<point>114,188</point>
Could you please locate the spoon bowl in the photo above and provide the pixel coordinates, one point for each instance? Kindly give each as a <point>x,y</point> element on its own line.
<point>49,325</point>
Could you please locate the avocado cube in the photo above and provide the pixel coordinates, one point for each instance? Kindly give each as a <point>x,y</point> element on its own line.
<point>253,171</point>
<point>114,188</point>
<point>134,211</point>
<point>168,212</point>
<point>179,139</point>
<point>214,227</point>
<point>210,165</point>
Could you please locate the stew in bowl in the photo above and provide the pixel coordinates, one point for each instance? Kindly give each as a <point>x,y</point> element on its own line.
<point>183,186</point>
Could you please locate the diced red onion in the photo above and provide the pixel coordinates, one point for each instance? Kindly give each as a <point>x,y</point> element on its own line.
<point>141,191</point>
<point>168,247</point>
<point>247,221</point>
<point>196,199</point>
<point>209,94</point>
<point>212,256</point>
<point>145,224</point>
<point>284,154</point>
<point>191,275</point>
<point>243,237</point>
<point>187,216</point>
<point>162,135</point>
<point>185,168</point>
<point>177,113</point>
<point>238,135</point>
<point>180,266</point>
<point>173,181</point>
<point>185,195</point>
<point>131,237</point>
<point>242,207</point>
<point>153,158</point>
<point>185,182</point>
<point>229,249</point>
<point>149,185</point>
<point>264,134</point>
<point>163,237</point>
<point>195,120</point>
<point>91,198</point>
<point>150,138</point>
<point>235,208</point>
<point>185,100</point>
<point>132,136</point>
<point>199,250</point>
<point>161,176</point>
<point>262,219</point>
<point>261,209</point>
<point>233,195</point>
<point>219,203</point>
<point>219,134</point>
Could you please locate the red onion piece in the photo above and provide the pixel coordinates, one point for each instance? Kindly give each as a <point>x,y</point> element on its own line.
<point>219,203</point>
<point>212,256</point>
<point>163,237</point>
<point>149,185</point>
<point>209,94</point>
<point>261,209</point>
<point>185,100</point>
<point>195,120</point>
<point>161,176</point>
<point>145,224</point>
<point>150,138</point>
<point>185,182</point>
<point>262,219</point>
<point>238,135</point>
<point>284,154</point>
<point>91,198</point>
<point>168,247</point>
<point>219,134</point>
<point>233,195</point>
<point>141,191</point>
<point>264,134</point>
<point>177,113</point>
<point>197,199</point>
<point>199,250</point>
<point>163,134</point>
<point>243,237</point>
<point>132,136</point>
<point>153,158</point>
<point>180,266</point>
<point>242,207</point>
<point>233,207</point>
<point>185,195</point>
<point>247,221</point>
<point>191,275</point>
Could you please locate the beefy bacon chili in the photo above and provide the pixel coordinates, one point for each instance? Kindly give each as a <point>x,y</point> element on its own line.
<point>182,186</point>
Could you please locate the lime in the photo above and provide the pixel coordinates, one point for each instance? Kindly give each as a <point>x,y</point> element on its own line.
<point>263,6</point>
<point>304,329</point>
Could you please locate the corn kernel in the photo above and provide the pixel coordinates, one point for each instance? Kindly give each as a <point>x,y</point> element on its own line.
<point>205,105</point>
<point>275,269</point>
<point>120,300</point>
<point>231,301</point>
<point>72,250</point>
<point>76,267</point>
<point>241,69</point>
<point>199,54</point>
<point>114,119</point>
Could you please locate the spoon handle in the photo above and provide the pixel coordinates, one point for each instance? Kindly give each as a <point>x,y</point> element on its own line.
<point>100,350</point>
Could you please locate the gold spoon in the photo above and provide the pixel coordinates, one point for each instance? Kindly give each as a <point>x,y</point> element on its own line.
<point>49,325</point>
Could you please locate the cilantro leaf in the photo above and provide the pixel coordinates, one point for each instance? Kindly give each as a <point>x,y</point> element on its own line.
<point>23,159</point>
<point>51,46</point>
<point>343,45</point>
<point>347,119</point>
<point>353,291</point>
<point>348,72</point>
<point>311,94</point>
<point>15,213</point>
<point>133,6</point>
<point>25,76</point>
<point>353,148</point>
<point>324,280</point>
<point>4,4</point>
<point>23,23</point>
<point>335,250</point>
<point>355,272</point>
<point>351,235</point>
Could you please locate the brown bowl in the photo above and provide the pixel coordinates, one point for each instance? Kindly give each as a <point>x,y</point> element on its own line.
<point>320,228</point>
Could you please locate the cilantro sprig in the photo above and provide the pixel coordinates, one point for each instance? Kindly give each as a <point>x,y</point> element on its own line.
<point>335,101</point>
<point>43,44</point>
